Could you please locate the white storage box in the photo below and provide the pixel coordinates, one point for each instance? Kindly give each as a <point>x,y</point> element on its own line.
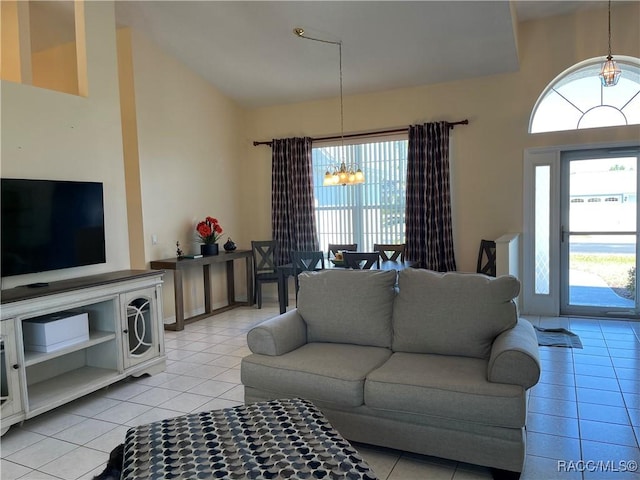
<point>53,332</point>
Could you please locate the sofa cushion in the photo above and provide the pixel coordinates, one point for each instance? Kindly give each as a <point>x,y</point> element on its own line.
<point>452,313</point>
<point>446,387</point>
<point>347,306</point>
<point>329,372</point>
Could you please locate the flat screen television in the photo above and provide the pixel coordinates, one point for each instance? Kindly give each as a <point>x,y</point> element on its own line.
<point>50,225</point>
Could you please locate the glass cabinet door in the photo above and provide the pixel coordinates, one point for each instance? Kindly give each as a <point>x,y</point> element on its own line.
<point>140,329</point>
<point>10,396</point>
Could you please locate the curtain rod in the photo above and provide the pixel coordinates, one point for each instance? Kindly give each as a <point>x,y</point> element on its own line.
<point>367,134</point>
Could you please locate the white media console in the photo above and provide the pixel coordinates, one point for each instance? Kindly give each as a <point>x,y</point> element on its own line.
<point>126,337</point>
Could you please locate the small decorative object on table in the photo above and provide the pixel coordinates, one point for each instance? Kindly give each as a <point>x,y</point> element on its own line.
<point>179,252</point>
<point>338,260</point>
<point>229,246</point>
<point>209,232</point>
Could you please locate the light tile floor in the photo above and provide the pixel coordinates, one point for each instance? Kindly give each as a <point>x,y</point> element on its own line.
<point>584,415</point>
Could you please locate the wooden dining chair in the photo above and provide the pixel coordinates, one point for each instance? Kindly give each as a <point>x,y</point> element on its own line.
<point>361,260</point>
<point>487,258</point>
<point>306,262</point>
<point>338,247</point>
<point>393,252</point>
<point>264,266</point>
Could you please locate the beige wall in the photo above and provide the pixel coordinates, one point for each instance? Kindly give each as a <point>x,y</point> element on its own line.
<point>487,155</point>
<point>128,116</point>
<point>189,150</point>
<point>10,63</point>
<point>48,134</point>
<point>195,157</point>
<point>56,68</point>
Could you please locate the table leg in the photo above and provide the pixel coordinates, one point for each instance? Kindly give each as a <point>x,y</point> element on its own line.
<point>207,288</point>
<point>249,273</point>
<point>231,288</point>
<point>282,290</point>
<point>178,296</point>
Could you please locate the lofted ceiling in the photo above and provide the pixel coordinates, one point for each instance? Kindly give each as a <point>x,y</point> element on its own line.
<point>248,51</point>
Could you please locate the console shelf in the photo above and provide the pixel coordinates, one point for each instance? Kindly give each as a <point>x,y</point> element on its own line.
<point>95,338</point>
<point>66,387</point>
<point>126,337</point>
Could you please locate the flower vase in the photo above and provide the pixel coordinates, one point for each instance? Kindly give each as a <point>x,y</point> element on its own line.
<point>209,249</point>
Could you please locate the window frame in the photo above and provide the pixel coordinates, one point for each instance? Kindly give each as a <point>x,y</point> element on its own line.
<point>358,221</point>
<point>591,104</point>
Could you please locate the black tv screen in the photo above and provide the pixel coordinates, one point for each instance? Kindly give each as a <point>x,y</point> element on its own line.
<point>50,225</point>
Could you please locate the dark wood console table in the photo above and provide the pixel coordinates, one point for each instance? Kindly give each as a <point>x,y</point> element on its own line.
<point>177,265</point>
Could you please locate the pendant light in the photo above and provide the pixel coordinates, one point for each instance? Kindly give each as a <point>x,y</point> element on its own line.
<point>610,72</point>
<point>343,174</point>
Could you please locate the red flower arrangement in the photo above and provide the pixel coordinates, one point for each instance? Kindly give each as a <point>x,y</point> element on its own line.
<point>209,230</point>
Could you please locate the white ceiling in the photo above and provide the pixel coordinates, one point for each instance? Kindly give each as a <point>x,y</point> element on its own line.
<point>249,52</point>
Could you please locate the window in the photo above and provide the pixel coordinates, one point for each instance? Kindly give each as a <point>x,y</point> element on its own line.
<point>576,99</point>
<point>372,212</point>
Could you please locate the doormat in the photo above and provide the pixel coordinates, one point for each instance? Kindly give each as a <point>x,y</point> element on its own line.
<point>557,337</point>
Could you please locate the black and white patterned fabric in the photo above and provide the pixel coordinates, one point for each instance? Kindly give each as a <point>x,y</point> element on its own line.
<point>293,215</point>
<point>429,231</point>
<point>287,438</point>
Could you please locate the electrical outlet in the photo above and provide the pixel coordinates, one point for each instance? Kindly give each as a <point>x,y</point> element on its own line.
<point>154,239</point>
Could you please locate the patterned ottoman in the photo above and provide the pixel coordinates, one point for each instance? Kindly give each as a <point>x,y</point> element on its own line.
<point>278,439</point>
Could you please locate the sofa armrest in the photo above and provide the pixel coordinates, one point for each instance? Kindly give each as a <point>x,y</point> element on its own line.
<point>278,335</point>
<point>515,357</point>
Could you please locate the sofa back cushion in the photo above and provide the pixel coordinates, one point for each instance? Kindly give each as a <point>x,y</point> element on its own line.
<point>452,313</point>
<point>347,306</point>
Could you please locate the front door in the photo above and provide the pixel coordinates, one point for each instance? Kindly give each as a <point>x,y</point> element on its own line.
<point>599,238</point>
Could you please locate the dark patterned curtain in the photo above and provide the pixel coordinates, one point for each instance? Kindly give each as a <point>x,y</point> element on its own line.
<point>429,235</point>
<point>293,220</point>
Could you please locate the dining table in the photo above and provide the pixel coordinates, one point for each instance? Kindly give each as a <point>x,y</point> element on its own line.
<point>286,270</point>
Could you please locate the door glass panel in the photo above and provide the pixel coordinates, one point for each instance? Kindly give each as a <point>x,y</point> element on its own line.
<point>542,223</point>
<point>602,270</point>
<point>139,326</point>
<point>602,234</point>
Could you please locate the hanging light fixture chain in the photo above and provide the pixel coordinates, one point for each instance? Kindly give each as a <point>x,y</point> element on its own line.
<point>610,72</point>
<point>342,175</point>
<point>341,101</point>
<point>609,28</point>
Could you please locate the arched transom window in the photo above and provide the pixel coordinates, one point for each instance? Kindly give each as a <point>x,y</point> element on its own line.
<point>576,99</point>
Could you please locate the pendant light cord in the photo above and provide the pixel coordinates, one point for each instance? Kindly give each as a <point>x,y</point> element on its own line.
<point>341,103</point>
<point>610,29</point>
<point>300,33</point>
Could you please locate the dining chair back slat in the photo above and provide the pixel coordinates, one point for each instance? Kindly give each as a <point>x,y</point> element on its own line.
<point>264,256</point>
<point>361,260</point>
<point>264,265</point>
<point>340,247</point>
<point>390,252</point>
<point>487,258</point>
<point>306,261</point>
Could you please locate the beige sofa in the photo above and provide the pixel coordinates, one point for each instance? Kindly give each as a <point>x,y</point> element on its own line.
<point>437,364</point>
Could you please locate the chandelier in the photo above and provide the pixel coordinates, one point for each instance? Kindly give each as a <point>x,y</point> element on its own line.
<point>610,73</point>
<point>343,174</point>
